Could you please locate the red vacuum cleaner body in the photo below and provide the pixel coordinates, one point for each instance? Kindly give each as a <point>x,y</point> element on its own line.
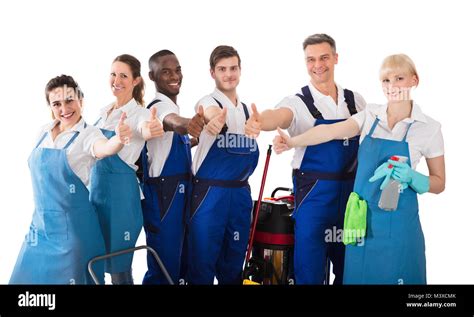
<point>272,253</point>
<point>275,226</point>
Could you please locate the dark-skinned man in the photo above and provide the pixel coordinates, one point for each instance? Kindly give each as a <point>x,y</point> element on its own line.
<point>166,171</point>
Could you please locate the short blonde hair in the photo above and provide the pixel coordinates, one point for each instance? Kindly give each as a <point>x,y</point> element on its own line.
<point>398,63</point>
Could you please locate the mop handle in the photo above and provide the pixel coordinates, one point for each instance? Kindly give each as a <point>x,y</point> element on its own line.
<point>259,201</point>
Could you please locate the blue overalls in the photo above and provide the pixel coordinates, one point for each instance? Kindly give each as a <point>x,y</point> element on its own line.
<point>393,251</point>
<point>115,193</point>
<point>221,206</point>
<point>323,184</point>
<point>65,233</point>
<point>164,208</point>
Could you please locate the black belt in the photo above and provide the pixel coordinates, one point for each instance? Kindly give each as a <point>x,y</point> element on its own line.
<point>220,183</point>
<point>171,178</point>
<point>343,176</point>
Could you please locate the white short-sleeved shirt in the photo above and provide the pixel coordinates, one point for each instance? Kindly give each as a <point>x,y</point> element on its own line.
<point>80,154</point>
<point>303,120</point>
<point>424,137</point>
<point>159,148</point>
<point>235,123</point>
<point>136,117</point>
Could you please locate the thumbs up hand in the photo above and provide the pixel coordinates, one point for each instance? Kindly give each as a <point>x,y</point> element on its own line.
<point>253,126</point>
<point>196,124</point>
<point>123,130</point>
<point>215,125</point>
<point>153,128</point>
<point>282,142</point>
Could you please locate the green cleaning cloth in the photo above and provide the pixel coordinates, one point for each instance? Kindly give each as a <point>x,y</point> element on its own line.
<point>355,219</point>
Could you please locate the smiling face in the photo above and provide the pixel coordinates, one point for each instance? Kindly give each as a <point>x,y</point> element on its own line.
<point>320,62</point>
<point>166,73</point>
<point>121,81</point>
<point>397,85</point>
<point>398,75</point>
<point>65,106</point>
<point>226,74</point>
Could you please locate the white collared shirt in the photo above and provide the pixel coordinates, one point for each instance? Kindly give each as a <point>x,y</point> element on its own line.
<point>80,154</point>
<point>424,137</point>
<point>235,123</point>
<point>303,120</point>
<point>159,148</point>
<point>136,117</point>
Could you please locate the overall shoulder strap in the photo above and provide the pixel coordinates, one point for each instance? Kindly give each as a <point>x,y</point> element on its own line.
<point>152,103</point>
<point>349,98</point>
<point>218,103</point>
<point>41,139</point>
<point>246,111</point>
<point>308,100</point>
<point>374,125</point>
<point>224,128</point>
<point>76,134</point>
<point>406,133</point>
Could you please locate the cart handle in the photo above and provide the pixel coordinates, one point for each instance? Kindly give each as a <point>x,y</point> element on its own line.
<point>292,198</point>
<point>286,189</point>
<point>117,253</point>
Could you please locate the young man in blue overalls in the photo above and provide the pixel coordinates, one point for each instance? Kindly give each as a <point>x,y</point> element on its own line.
<point>221,203</point>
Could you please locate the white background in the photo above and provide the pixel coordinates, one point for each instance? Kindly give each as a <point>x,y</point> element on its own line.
<point>42,39</point>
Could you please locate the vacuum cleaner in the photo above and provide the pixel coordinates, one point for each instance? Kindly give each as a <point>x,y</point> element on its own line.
<point>269,259</point>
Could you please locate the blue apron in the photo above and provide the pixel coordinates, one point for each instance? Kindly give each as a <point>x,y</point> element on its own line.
<point>323,184</point>
<point>220,210</point>
<point>65,233</point>
<point>393,252</point>
<point>115,193</point>
<point>164,208</point>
